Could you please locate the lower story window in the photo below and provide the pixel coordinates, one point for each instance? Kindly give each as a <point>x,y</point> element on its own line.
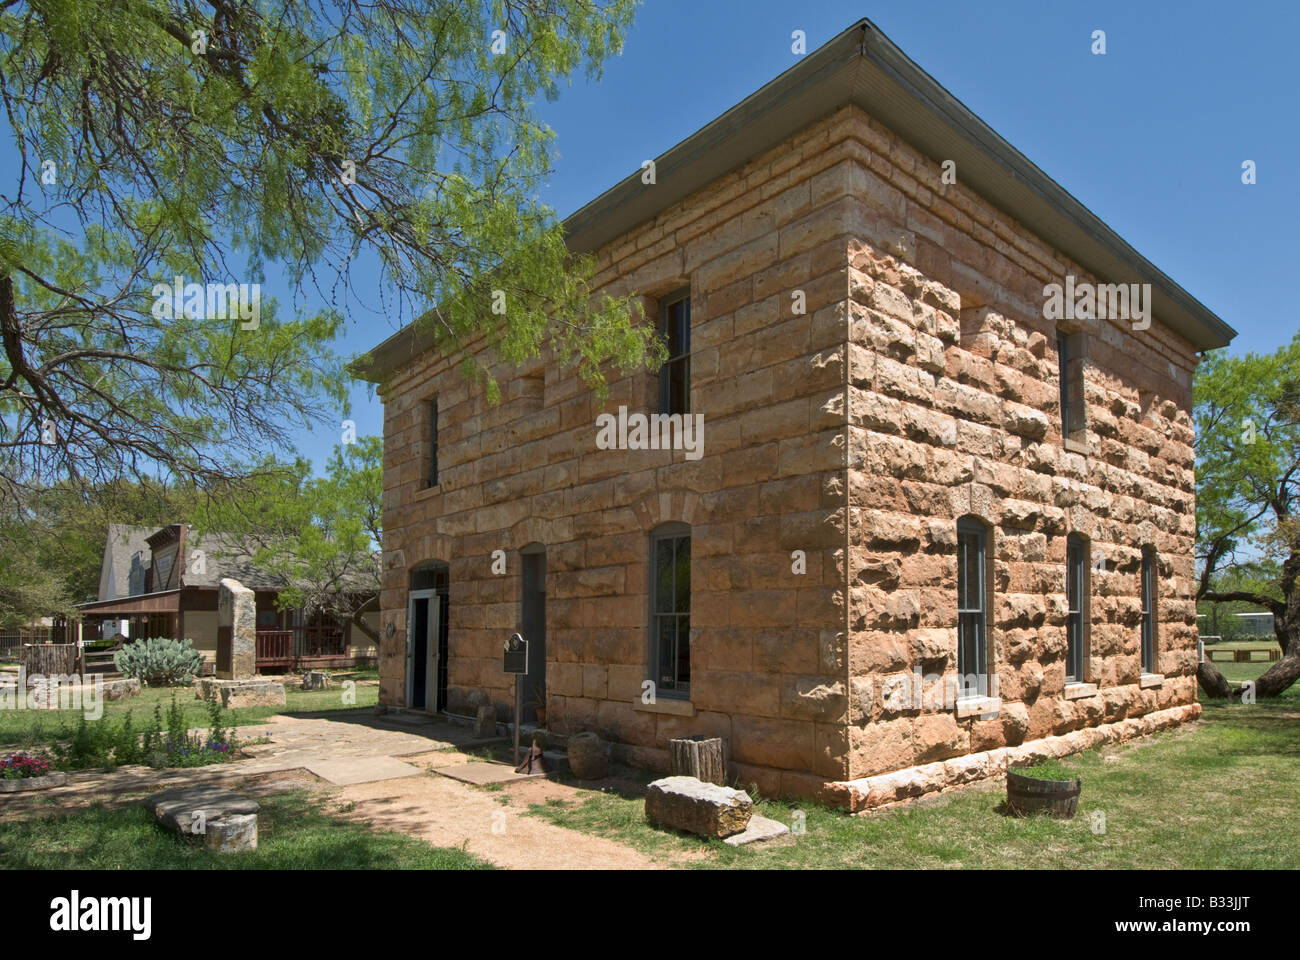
<point>670,610</point>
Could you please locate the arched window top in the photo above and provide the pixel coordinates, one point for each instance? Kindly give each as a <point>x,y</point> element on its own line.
<point>672,528</point>
<point>972,524</point>
<point>431,575</point>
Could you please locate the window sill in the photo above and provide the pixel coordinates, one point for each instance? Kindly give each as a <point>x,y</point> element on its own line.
<point>425,492</point>
<point>1151,680</point>
<point>1076,690</point>
<point>978,706</point>
<point>1075,445</point>
<point>667,705</point>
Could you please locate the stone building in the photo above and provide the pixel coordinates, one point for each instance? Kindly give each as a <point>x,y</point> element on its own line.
<point>942,515</point>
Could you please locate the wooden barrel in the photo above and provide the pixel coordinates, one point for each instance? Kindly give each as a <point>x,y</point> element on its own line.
<point>588,756</point>
<point>1027,796</point>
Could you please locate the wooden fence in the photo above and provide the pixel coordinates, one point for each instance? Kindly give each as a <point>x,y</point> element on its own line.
<point>50,659</point>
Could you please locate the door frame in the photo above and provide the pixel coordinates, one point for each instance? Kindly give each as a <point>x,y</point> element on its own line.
<point>430,640</point>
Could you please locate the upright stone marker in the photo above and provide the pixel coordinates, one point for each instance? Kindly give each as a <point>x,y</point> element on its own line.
<point>237,629</point>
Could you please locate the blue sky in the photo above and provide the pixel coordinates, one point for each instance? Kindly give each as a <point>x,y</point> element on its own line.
<point>1150,137</point>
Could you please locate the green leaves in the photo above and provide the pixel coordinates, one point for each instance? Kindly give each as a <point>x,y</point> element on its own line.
<point>308,135</point>
<point>1248,479</point>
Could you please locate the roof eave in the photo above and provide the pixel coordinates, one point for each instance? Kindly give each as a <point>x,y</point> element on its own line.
<point>861,66</point>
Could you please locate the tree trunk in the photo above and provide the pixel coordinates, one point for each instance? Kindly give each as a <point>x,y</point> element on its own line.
<point>1212,681</point>
<point>1277,678</point>
<point>1286,671</point>
<point>700,758</point>
<point>357,622</point>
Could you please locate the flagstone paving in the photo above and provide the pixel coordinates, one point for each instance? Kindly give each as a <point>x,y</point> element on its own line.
<point>428,795</point>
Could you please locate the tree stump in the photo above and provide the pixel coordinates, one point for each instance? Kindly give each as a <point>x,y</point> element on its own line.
<point>699,757</point>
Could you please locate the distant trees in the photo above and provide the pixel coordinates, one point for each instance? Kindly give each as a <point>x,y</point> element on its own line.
<point>318,536</point>
<point>1247,412</point>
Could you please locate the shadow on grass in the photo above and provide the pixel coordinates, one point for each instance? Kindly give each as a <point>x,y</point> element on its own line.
<point>294,834</point>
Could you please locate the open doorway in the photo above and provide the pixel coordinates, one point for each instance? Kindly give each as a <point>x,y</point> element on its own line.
<point>426,638</point>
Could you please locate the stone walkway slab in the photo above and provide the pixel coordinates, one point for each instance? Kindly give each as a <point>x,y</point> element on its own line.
<point>481,772</point>
<point>361,770</point>
<point>759,828</point>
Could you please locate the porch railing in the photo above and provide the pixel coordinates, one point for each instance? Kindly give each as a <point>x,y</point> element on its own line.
<point>296,642</point>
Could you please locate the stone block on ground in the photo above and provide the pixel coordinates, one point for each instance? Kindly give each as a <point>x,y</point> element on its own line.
<point>226,820</point>
<point>588,756</point>
<point>315,680</point>
<point>233,833</point>
<point>485,724</point>
<point>121,689</point>
<point>253,692</point>
<point>759,828</point>
<point>693,806</point>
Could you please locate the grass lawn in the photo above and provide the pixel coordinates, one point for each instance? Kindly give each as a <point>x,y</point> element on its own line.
<point>33,727</point>
<point>1219,795</point>
<point>293,834</point>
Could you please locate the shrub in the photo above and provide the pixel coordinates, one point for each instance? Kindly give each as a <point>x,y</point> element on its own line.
<point>159,662</point>
<point>166,742</point>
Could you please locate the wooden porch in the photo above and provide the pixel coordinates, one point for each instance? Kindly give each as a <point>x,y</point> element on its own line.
<point>304,647</point>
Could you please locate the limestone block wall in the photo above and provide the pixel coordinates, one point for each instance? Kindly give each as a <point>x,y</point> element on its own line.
<point>918,385</point>
<point>954,410</point>
<point>768,646</point>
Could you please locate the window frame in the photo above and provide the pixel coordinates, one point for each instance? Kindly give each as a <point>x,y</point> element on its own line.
<point>431,437</point>
<point>970,526</point>
<point>680,360</point>
<point>1070,356</point>
<point>1149,600</point>
<point>680,689</point>
<point>1078,601</point>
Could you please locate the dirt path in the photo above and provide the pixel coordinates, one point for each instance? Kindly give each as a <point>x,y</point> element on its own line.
<point>447,813</point>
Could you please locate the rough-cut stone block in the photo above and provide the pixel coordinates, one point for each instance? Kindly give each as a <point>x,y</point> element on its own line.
<point>237,627</point>
<point>241,693</point>
<point>759,828</point>
<point>233,833</point>
<point>121,689</point>
<point>315,680</point>
<point>693,806</point>
<point>198,809</point>
<point>485,724</point>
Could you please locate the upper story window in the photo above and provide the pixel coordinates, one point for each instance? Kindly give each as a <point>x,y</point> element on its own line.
<point>1069,352</point>
<point>1077,598</point>
<point>431,423</point>
<point>675,374</point>
<point>670,609</point>
<point>972,608</point>
<point>1149,600</point>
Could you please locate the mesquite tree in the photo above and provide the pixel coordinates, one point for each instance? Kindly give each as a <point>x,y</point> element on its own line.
<point>1248,497</point>
<point>316,536</point>
<point>164,153</point>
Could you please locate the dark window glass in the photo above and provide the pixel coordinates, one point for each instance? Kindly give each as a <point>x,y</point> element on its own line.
<point>670,614</point>
<point>433,443</point>
<point>972,619</point>
<point>1148,612</point>
<point>1076,563</point>
<point>675,374</point>
<point>1069,353</point>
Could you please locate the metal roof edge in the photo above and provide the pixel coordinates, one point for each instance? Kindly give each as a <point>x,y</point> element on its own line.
<point>806,91</point>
